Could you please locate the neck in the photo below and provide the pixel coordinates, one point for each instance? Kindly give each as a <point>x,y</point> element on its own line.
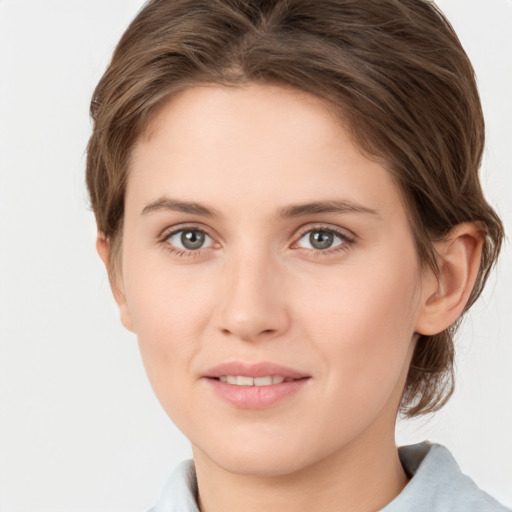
<point>363,477</point>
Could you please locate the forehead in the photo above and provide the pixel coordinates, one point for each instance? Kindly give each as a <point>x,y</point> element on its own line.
<point>251,109</point>
<point>268,144</point>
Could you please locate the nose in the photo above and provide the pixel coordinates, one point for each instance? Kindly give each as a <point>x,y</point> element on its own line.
<point>252,304</point>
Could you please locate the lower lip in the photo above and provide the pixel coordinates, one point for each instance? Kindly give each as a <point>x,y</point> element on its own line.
<point>256,397</point>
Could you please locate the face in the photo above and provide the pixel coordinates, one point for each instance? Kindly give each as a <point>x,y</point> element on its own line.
<point>270,274</point>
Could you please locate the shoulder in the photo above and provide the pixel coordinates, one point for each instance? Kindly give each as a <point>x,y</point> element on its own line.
<point>438,484</point>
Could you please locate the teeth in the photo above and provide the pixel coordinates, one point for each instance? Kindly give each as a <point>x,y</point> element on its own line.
<point>262,381</point>
<point>244,381</point>
<point>241,380</point>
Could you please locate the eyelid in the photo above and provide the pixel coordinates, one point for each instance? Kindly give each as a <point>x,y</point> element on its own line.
<point>172,230</point>
<point>337,230</point>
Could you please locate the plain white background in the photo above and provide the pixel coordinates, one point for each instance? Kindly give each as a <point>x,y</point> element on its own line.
<point>80,429</point>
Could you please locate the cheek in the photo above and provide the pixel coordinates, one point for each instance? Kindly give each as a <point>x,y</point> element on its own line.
<point>166,300</point>
<point>169,311</point>
<point>362,320</point>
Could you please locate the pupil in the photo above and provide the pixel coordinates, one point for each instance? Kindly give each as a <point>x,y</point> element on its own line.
<point>192,239</point>
<point>321,239</point>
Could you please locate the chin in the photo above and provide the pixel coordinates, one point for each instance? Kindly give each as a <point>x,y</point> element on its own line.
<point>261,466</point>
<point>265,459</point>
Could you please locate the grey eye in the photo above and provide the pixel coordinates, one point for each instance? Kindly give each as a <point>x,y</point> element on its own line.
<point>190,239</point>
<point>320,239</point>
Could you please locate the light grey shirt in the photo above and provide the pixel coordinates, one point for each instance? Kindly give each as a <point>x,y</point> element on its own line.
<point>437,485</point>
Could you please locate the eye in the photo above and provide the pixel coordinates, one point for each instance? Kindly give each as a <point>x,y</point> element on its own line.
<point>321,239</point>
<point>189,239</point>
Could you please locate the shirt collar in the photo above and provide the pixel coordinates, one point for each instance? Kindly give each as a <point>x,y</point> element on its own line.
<point>437,483</point>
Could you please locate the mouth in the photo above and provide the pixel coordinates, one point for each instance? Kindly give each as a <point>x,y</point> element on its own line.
<point>242,380</point>
<point>241,373</point>
<point>255,385</point>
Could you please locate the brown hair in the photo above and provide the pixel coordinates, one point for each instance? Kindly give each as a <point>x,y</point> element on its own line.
<point>396,71</point>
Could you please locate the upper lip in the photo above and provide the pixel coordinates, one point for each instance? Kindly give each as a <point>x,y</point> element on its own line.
<point>247,369</point>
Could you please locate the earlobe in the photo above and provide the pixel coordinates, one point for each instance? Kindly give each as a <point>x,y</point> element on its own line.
<point>104,251</point>
<point>445,295</point>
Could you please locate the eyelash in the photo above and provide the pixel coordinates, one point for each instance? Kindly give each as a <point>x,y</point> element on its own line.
<point>346,241</point>
<point>182,253</point>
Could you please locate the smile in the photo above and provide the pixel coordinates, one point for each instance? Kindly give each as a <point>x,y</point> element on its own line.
<point>242,380</point>
<point>255,385</point>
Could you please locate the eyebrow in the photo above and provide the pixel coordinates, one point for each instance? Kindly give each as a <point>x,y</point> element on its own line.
<point>191,207</point>
<point>291,211</point>
<point>332,206</point>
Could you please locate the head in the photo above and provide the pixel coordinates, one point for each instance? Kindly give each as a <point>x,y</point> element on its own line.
<point>390,75</point>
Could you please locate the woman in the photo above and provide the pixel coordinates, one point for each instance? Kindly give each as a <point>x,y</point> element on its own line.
<point>289,210</point>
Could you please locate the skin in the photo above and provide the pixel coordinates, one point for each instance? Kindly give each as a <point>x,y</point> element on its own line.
<point>347,316</point>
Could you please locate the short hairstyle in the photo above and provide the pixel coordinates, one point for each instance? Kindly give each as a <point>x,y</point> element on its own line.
<point>393,70</point>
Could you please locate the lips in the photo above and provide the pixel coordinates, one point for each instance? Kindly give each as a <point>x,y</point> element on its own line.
<point>254,385</point>
<point>254,370</point>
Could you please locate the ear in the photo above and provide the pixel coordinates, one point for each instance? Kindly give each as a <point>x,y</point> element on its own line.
<point>445,296</point>
<point>104,250</point>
